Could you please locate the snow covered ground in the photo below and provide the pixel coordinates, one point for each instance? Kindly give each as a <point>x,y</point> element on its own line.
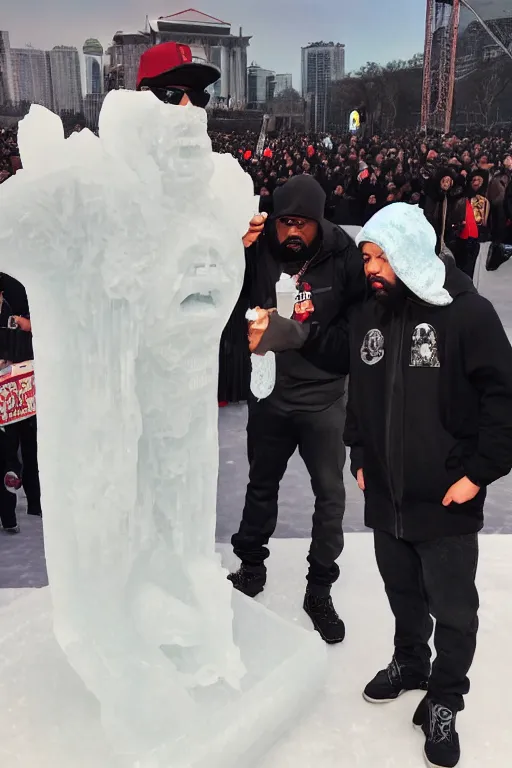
<point>342,730</point>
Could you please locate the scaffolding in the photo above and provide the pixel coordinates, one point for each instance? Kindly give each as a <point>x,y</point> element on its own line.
<point>441,32</point>
<point>445,64</point>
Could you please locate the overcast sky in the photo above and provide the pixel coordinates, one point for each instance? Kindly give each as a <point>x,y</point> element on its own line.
<point>378,30</point>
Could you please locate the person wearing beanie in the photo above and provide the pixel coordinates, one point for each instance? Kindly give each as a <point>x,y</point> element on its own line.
<point>429,425</point>
<point>306,410</point>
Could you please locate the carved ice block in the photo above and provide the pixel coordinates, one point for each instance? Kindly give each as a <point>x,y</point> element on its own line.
<point>130,249</point>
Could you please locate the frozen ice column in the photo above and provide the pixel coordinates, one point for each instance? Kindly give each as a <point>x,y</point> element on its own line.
<point>130,249</point>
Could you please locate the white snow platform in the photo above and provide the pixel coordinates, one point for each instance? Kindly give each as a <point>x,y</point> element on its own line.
<point>48,720</point>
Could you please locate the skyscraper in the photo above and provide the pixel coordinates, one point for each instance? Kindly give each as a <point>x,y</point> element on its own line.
<point>66,79</point>
<point>31,75</point>
<point>322,64</point>
<point>260,86</point>
<point>283,83</point>
<point>93,53</point>
<point>7,93</point>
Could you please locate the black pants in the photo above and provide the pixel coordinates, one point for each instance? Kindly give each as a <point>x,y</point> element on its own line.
<point>23,435</point>
<point>466,254</point>
<point>7,500</point>
<point>434,578</point>
<point>273,437</point>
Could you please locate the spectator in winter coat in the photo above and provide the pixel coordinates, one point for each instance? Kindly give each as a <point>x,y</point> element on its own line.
<point>429,424</point>
<point>306,409</point>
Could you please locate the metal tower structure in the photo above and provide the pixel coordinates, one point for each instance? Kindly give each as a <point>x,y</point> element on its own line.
<point>441,31</point>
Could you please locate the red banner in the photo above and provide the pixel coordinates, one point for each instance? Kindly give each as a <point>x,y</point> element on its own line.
<point>17,393</point>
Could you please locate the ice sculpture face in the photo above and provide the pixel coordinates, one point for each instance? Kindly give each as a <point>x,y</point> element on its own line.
<point>130,250</point>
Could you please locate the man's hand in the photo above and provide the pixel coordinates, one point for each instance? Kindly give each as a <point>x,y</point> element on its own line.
<point>23,323</point>
<point>360,479</point>
<point>256,227</point>
<point>258,327</point>
<point>461,492</point>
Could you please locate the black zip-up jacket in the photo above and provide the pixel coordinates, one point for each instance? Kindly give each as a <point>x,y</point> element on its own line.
<point>312,358</point>
<point>430,402</point>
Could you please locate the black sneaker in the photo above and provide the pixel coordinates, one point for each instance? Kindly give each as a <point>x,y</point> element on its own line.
<point>13,530</point>
<point>250,580</point>
<point>442,746</point>
<point>326,621</point>
<point>390,683</point>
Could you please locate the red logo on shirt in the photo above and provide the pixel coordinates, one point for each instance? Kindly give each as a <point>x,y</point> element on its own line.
<point>303,304</point>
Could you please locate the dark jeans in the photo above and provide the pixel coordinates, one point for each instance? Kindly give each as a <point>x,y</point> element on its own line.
<point>273,437</point>
<point>433,578</point>
<point>7,500</point>
<point>23,435</point>
<point>466,254</point>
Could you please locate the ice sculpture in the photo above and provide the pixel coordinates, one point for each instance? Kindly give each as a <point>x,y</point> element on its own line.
<point>130,249</point>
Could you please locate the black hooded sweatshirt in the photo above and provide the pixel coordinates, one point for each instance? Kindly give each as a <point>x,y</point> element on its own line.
<point>430,402</point>
<point>312,357</point>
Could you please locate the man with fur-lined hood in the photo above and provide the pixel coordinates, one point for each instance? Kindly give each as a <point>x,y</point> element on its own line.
<point>429,424</point>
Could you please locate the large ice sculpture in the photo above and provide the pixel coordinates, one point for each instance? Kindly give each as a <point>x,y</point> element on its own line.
<point>130,249</point>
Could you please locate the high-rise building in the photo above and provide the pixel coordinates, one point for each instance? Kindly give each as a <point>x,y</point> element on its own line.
<point>7,94</point>
<point>93,55</point>
<point>283,83</point>
<point>260,86</point>
<point>32,77</point>
<point>66,79</point>
<point>322,64</point>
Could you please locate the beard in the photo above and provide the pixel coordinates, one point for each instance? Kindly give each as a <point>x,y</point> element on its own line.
<point>293,253</point>
<point>390,295</point>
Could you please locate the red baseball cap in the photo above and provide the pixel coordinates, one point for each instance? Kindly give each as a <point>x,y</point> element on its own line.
<point>171,64</point>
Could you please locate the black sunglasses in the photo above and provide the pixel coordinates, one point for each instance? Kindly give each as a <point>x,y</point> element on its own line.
<point>175,95</point>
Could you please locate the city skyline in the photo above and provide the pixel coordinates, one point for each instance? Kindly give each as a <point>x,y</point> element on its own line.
<point>369,32</point>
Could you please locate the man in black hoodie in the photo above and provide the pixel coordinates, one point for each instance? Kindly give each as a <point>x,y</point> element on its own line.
<point>306,409</point>
<point>429,424</point>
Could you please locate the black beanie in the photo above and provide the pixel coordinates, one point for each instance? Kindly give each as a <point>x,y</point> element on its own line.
<point>300,196</point>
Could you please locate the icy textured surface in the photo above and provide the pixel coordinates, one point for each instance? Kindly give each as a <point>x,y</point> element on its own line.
<point>130,250</point>
<point>263,375</point>
<point>263,368</point>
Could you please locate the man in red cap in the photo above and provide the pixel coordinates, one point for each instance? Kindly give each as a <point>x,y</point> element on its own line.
<point>167,70</point>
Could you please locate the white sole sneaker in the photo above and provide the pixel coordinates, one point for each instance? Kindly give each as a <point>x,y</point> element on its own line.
<point>383,701</point>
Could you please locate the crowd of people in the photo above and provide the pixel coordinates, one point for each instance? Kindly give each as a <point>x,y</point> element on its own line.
<point>9,153</point>
<point>361,175</point>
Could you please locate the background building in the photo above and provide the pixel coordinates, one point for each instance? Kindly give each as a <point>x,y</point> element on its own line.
<point>93,56</point>
<point>32,76</point>
<point>66,79</point>
<point>260,86</point>
<point>210,40</point>
<point>322,64</point>
<point>124,55</point>
<point>7,93</point>
<point>283,83</point>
